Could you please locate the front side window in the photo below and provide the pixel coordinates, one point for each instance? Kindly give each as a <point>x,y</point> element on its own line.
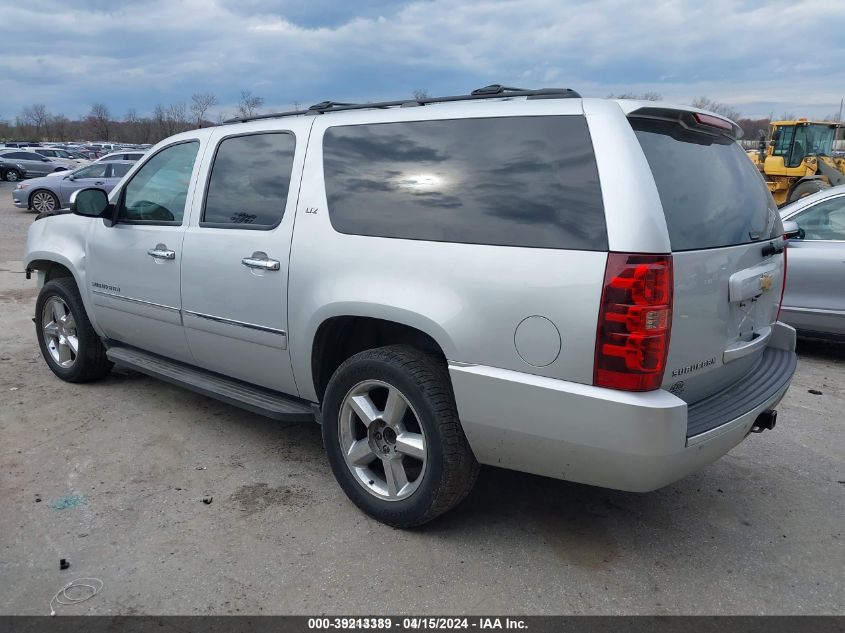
<point>824,221</point>
<point>249,182</point>
<point>158,191</point>
<point>528,181</point>
<point>91,171</point>
<point>783,145</point>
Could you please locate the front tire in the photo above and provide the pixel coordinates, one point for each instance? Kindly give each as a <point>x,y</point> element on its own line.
<point>68,342</point>
<point>806,188</point>
<point>393,437</point>
<point>44,201</point>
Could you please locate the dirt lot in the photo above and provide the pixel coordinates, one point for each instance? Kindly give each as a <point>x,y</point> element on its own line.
<point>111,476</point>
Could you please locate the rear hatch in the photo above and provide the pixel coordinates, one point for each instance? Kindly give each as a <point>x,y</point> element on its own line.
<point>727,249</point>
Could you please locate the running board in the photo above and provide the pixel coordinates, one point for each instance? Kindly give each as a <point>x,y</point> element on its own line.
<point>256,399</point>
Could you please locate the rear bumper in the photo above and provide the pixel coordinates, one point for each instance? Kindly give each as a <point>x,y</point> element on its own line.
<point>615,439</point>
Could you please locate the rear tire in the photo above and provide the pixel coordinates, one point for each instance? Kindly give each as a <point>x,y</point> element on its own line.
<point>410,462</point>
<point>12,175</point>
<point>68,342</point>
<point>806,188</point>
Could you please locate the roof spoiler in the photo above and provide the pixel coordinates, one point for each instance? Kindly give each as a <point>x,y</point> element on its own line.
<point>690,118</point>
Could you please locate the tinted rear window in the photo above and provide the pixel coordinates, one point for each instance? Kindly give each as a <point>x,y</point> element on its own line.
<point>712,194</point>
<point>510,181</point>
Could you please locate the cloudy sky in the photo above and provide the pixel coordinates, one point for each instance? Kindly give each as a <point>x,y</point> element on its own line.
<point>761,56</point>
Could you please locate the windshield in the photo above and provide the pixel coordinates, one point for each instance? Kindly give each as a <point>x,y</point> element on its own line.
<point>816,139</point>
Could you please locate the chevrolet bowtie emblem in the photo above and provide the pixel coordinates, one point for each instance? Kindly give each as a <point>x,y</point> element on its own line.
<point>766,282</point>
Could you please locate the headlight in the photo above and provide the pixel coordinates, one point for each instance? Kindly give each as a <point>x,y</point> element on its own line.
<point>22,186</point>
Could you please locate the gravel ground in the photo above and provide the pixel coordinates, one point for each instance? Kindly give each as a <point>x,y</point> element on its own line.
<point>112,475</point>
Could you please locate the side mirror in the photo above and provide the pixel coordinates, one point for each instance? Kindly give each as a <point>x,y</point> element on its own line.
<point>792,231</point>
<point>45,160</point>
<point>90,203</point>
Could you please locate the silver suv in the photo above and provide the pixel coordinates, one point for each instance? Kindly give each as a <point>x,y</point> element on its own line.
<point>585,289</point>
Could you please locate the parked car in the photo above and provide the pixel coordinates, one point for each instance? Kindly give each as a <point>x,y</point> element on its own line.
<point>123,155</point>
<point>814,300</point>
<point>60,156</point>
<point>493,279</point>
<point>35,164</point>
<point>11,170</point>
<point>53,192</point>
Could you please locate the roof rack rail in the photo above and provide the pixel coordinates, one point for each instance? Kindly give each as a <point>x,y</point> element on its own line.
<point>493,91</point>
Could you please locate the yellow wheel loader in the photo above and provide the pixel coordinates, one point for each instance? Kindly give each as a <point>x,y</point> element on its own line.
<point>799,158</point>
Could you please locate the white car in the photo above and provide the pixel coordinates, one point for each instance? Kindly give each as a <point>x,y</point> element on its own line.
<point>123,155</point>
<point>58,156</point>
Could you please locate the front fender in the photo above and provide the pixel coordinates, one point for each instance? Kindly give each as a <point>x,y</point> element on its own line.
<point>61,239</point>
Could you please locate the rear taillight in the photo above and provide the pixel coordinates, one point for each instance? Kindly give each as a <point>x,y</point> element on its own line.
<point>635,319</point>
<point>783,285</point>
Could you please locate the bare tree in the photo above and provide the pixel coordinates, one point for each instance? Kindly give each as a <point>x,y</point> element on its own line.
<point>202,101</point>
<point>59,126</point>
<point>725,110</point>
<point>160,121</point>
<point>420,93</point>
<point>249,104</point>
<point>178,117</point>
<point>37,116</point>
<point>99,119</point>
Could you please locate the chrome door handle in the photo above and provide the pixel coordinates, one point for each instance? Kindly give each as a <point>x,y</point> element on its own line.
<point>161,252</point>
<point>260,260</point>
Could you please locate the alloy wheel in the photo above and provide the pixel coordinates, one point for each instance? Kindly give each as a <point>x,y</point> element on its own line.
<point>382,440</point>
<point>43,201</point>
<point>59,331</point>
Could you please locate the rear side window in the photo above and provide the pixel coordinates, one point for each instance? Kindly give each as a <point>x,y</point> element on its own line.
<point>249,182</point>
<point>119,170</point>
<point>711,192</point>
<point>509,181</point>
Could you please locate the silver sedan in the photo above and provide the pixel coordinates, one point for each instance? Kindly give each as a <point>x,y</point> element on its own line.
<point>53,192</point>
<point>814,300</point>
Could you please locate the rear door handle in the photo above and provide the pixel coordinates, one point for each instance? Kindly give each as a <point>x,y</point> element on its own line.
<point>161,252</point>
<point>260,260</point>
<point>99,182</point>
